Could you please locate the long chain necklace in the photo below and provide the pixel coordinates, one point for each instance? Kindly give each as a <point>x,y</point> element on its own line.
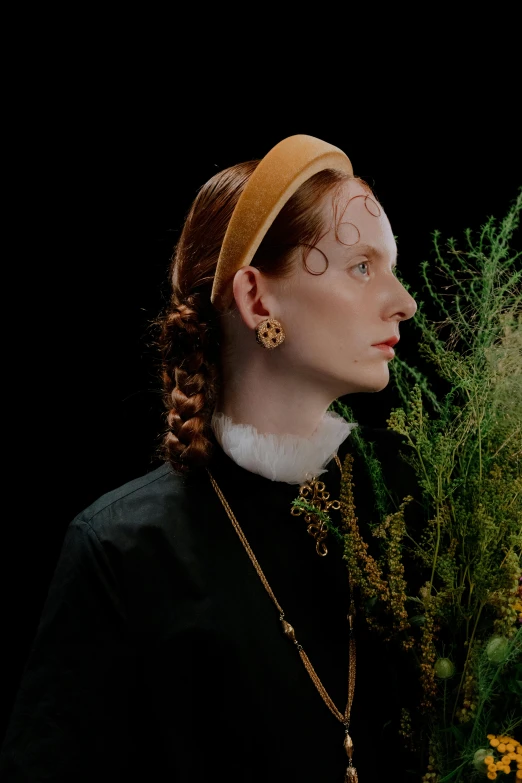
<point>344,718</point>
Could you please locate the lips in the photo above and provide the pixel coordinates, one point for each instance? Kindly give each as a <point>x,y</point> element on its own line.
<point>391,341</point>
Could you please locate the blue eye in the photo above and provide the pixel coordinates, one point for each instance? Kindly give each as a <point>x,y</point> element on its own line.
<point>363,263</point>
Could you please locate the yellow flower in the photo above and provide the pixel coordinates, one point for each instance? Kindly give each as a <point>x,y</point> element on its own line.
<point>501,748</point>
<point>490,736</point>
<point>499,764</point>
<point>506,759</point>
<point>494,742</point>
<point>488,760</point>
<point>510,748</point>
<point>519,774</point>
<point>506,769</point>
<point>492,775</point>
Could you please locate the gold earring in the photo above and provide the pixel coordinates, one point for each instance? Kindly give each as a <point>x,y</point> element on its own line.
<point>270,333</point>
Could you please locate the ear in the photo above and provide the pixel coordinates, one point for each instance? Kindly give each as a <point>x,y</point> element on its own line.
<point>252,295</point>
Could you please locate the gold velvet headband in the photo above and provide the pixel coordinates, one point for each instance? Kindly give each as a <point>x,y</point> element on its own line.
<point>276,178</point>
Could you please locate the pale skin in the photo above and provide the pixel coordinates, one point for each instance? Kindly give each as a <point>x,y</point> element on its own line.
<point>332,322</point>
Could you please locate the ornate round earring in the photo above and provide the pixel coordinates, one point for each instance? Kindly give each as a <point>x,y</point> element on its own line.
<point>270,333</point>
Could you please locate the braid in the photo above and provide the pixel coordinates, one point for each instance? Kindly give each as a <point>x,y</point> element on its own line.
<point>190,372</point>
<point>189,333</point>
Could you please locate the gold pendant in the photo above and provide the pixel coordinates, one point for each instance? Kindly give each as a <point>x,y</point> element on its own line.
<point>351,775</point>
<point>351,772</point>
<point>314,493</point>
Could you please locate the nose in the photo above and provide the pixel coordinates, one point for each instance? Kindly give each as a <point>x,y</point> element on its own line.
<point>404,305</point>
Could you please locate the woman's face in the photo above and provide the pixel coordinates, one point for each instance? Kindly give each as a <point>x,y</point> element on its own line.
<point>334,320</point>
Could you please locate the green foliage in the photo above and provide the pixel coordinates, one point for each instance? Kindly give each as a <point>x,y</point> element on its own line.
<point>465,447</point>
<point>366,450</point>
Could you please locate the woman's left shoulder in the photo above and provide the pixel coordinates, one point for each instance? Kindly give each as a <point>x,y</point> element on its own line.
<point>380,450</point>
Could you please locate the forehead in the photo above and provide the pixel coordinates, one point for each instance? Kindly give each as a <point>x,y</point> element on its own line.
<point>353,214</point>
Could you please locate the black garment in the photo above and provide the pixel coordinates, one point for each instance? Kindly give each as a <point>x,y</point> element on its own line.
<point>160,656</point>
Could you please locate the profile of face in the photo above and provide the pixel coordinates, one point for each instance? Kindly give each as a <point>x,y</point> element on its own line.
<point>348,300</point>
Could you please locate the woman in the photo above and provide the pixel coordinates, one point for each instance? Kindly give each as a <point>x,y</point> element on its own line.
<point>195,624</point>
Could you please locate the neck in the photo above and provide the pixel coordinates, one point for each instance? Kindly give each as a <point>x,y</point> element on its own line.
<point>273,400</point>
<point>273,420</point>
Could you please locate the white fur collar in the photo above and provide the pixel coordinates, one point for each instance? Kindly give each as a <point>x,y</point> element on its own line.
<point>288,458</point>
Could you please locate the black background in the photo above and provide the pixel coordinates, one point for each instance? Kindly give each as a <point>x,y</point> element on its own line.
<point>107,172</point>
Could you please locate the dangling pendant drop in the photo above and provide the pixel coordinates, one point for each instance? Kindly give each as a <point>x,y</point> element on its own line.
<point>351,775</point>
<point>351,772</point>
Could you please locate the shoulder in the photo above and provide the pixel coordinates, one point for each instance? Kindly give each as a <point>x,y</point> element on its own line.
<point>365,439</point>
<point>137,490</point>
<point>389,447</point>
<point>152,501</point>
<point>382,455</point>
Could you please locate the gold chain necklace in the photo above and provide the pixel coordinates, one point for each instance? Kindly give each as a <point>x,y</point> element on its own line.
<point>351,773</point>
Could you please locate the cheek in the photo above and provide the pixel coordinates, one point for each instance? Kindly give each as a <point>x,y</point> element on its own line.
<point>328,318</point>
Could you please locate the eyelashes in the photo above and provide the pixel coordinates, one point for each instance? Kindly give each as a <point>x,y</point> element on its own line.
<point>368,264</point>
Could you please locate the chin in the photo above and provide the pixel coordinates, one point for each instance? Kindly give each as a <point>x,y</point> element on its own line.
<point>371,384</point>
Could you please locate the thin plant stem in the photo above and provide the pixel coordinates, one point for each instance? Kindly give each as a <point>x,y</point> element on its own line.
<point>464,670</point>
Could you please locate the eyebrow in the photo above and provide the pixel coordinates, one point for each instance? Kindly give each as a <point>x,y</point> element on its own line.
<point>371,250</point>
